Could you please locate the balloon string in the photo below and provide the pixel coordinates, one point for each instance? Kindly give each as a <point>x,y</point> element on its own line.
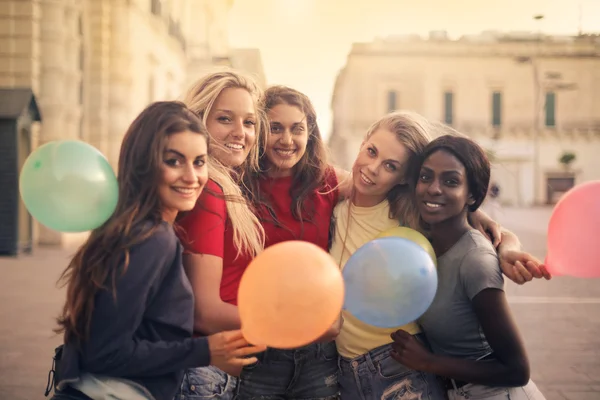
<point>350,199</point>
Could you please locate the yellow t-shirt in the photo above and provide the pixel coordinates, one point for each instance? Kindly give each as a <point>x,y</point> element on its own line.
<point>356,337</point>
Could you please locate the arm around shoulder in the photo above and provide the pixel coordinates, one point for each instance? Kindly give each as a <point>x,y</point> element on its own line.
<point>518,265</point>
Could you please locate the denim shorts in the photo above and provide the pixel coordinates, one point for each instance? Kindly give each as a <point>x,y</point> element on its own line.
<point>309,372</point>
<point>207,383</point>
<point>377,376</point>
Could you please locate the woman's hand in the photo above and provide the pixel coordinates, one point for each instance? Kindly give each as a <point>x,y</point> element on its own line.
<point>521,267</point>
<point>408,351</point>
<point>229,351</point>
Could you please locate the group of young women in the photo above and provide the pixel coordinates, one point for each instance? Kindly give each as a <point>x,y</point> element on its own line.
<point>207,184</point>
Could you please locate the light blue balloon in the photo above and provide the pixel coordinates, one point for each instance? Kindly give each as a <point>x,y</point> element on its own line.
<point>390,282</point>
<point>68,186</point>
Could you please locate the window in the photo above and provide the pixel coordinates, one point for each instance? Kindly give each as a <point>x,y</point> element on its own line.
<point>449,108</point>
<point>496,109</point>
<point>550,108</point>
<point>391,101</point>
<point>81,56</point>
<point>155,7</point>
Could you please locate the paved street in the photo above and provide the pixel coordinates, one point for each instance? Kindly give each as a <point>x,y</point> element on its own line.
<point>560,320</point>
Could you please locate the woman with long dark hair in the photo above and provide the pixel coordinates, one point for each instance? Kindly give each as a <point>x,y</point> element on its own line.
<point>294,193</point>
<point>129,313</point>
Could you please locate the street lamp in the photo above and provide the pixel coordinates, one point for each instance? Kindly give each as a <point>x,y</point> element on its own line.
<point>555,86</point>
<point>536,100</point>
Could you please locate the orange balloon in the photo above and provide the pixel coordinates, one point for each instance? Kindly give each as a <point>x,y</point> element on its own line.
<point>290,295</point>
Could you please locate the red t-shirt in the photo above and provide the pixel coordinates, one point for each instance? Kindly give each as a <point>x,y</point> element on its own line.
<point>315,231</point>
<point>207,230</point>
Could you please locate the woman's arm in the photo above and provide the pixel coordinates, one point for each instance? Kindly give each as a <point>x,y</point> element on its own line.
<point>211,314</point>
<point>517,265</point>
<point>483,223</point>
<point>509,368</point>
<point>203,236</point>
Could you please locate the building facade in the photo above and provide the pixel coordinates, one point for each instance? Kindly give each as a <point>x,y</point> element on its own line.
<point>530,100</point>
<point>95,64</point>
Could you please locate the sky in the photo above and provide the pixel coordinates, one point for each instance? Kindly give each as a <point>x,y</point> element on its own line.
<point>304,43</point>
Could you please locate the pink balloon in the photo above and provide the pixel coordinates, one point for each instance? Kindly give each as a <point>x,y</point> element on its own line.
<point>574,233</point>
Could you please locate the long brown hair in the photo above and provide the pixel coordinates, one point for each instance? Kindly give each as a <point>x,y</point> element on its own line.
<point>105,254</point>
<point>309,172</point>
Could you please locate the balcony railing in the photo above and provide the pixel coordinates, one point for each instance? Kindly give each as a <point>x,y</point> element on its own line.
<point>524,129</point>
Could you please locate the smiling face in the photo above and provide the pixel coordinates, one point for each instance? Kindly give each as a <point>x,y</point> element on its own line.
<point>287,140</point>
<point>442,190</point>
<point>231,123</point>
<point>183,173</point>
<point>379,166</point>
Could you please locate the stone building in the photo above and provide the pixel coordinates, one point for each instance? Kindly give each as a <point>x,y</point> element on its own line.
<point>95,64</point>
<point>529,99</point>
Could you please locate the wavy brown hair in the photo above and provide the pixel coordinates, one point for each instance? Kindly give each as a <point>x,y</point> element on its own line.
<point>105,254</point>
<point>310,171</point>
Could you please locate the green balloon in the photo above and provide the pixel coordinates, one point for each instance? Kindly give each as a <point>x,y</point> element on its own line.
<point>69,186</point>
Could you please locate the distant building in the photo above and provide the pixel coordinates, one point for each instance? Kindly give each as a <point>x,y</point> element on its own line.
<point>489,87</point>
<point>95,64</point>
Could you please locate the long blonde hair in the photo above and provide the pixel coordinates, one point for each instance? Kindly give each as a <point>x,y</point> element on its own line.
<point>248,233</point>
<point>414,132</point>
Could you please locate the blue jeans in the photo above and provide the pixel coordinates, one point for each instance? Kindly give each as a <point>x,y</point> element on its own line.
<point>207,383</point>
<point>377,376</point>
<point>309,372</point>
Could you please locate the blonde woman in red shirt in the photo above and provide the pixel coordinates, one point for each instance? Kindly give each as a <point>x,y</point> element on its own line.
<point>221,234</point>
